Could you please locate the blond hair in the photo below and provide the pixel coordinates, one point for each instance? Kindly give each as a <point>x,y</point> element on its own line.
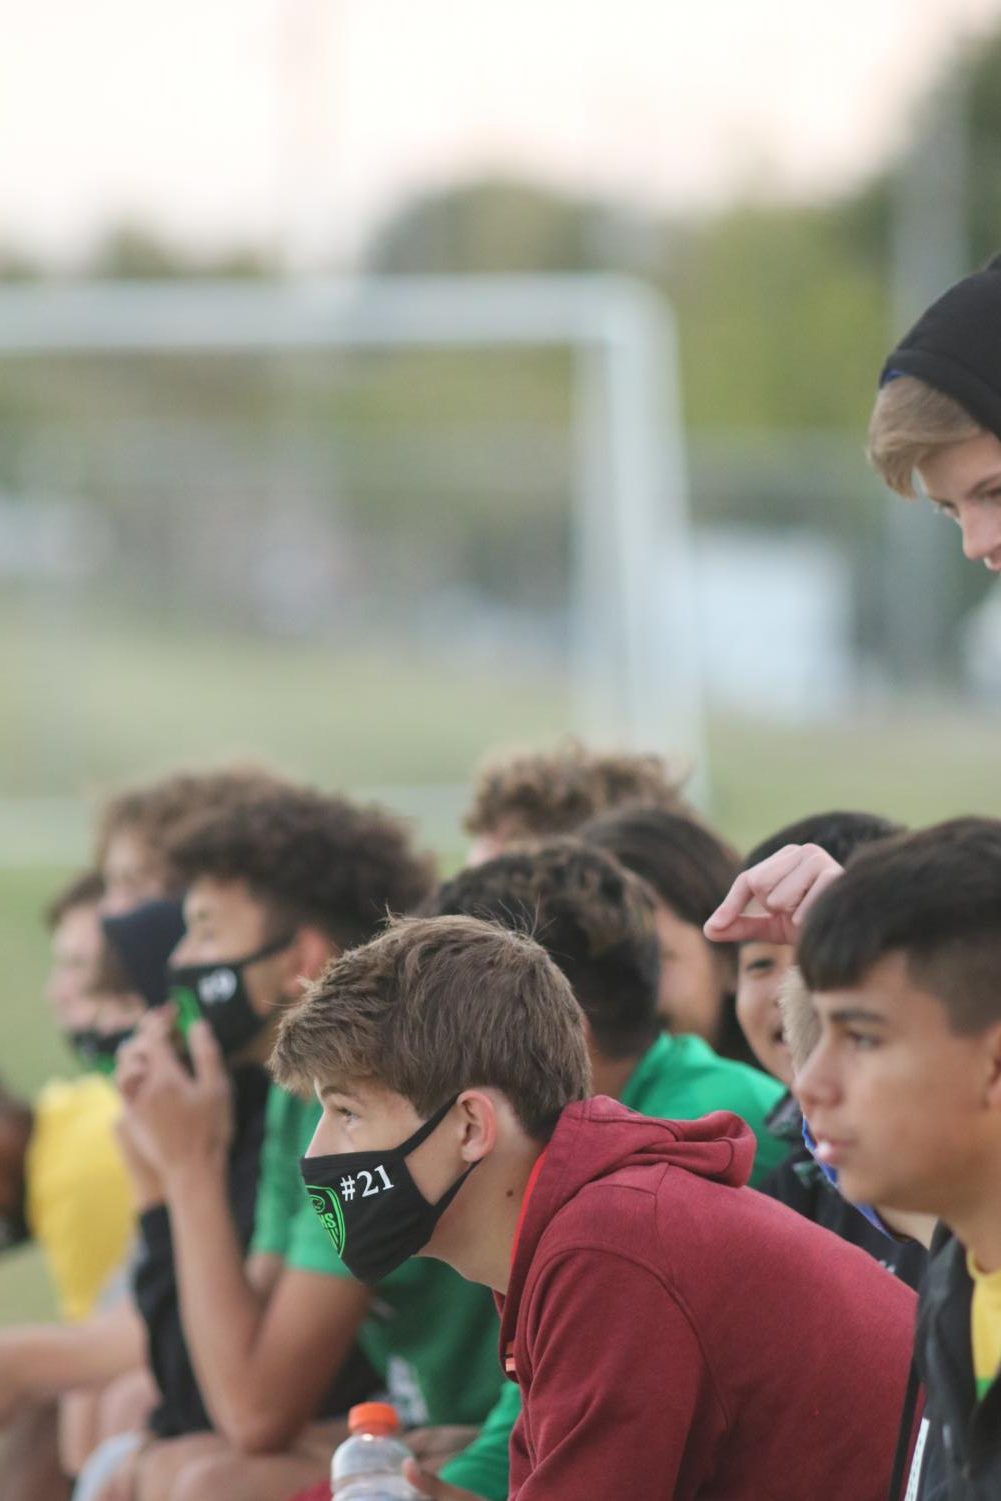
<point>911,422</point>
<point>800,1022</point>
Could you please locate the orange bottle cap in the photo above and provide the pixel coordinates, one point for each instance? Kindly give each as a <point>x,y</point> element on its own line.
<point>373,1417</point>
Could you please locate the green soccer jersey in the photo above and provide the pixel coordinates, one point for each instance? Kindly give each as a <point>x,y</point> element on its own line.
<point>429,1334</point>
<point>681,1078</point>
<point>678,1078</point>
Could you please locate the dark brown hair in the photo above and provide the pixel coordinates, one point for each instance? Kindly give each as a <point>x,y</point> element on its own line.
<point>690,869</point>
<point>308,857</point>
<point>536,794</point>
<point>437,1005</point>
<point>933,896</point>
<point>594,918</point>
<point>154,811</point>
<point>838,832</point>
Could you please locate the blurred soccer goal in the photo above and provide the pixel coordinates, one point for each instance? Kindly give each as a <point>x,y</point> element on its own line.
<point>528,429</point>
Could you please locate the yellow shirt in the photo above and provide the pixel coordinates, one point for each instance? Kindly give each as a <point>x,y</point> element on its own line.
<point>985,1318</point>
<point>79,1203</point>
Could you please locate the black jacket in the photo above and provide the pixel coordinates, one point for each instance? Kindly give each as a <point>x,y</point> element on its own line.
<point>800,1183</point>
<point>963,1448</point>
<point>181,1409</point>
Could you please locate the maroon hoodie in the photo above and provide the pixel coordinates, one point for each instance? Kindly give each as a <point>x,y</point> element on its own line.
<point>678,1335</point>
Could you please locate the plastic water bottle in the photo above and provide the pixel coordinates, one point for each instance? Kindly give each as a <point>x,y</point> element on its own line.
<point>368,1466</point>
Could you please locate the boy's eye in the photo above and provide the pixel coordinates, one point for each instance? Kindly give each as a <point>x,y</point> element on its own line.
<point>760,967</point>
<point>863,1041</point>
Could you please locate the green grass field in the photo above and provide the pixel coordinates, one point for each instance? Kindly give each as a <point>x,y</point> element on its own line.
<point>82,709</point>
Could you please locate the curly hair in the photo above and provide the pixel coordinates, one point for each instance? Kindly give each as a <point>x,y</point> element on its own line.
<point>308,857</point>
<point>153,811</point>
<point>536,794</point>
<point>594,918</point>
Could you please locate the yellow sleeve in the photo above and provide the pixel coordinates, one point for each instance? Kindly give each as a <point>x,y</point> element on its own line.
<point>79,1202</point>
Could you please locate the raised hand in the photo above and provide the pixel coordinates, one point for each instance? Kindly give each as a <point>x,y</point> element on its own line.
<point>768,903</point>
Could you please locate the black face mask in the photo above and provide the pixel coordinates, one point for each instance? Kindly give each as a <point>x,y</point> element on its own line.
<point>217,993</point>
<point>97,1050</point>
<point>371,1207</point>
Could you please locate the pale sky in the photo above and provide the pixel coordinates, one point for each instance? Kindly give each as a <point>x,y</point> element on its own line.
<point>305,121</point>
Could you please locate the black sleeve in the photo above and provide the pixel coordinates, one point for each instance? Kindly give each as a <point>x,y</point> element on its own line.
<point>800,1184</point>
<point>181,1409</point>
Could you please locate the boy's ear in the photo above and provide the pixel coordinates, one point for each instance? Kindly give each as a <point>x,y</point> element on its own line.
<point>992,1042</point>
<point>479,1124</point>
<point>310,953</point>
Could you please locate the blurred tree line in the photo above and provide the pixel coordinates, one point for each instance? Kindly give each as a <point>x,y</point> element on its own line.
<point>795,294</point>
<point>785,311</point>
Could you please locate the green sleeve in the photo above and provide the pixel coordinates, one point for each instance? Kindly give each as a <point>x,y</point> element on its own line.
<point>483,1467</point>
<point>278,1186</point>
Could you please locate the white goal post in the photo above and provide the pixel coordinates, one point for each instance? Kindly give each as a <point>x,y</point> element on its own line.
<point>636,670</point>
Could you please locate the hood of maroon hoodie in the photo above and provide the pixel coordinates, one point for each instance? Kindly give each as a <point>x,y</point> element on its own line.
<point>598,1137</point>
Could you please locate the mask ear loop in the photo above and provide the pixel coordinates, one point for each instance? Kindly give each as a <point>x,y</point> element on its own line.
<point>268,951</point>
<point>421,1135</point>
<point>431,1124</point>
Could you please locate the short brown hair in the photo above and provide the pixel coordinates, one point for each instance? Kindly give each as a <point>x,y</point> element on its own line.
<point>309,857</point>
<point>911,422</point>
<point>84,890</point>
<point>436,1005</point>
<point>593,917</point>
<point>536,794</point>
<point>154,810</point>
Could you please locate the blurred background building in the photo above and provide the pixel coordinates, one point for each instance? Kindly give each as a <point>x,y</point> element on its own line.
<point>361,564</point>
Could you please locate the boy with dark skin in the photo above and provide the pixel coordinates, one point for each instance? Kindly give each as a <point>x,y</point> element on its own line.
<point>450,1058</point>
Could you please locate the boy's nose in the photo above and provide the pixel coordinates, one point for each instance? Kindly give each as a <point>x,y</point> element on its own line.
<point>815,1083</point>
<point>981,532</point>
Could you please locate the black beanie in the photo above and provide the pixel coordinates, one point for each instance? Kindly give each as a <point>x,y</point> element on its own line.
<point>956,346</point>
<point>144,940</point>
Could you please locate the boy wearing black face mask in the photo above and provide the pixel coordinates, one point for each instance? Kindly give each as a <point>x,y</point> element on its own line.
<point>661,1321</point>
<point>273,892</point>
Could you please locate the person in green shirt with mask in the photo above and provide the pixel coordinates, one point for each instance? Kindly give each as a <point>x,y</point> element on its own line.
<point>596,919</point>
